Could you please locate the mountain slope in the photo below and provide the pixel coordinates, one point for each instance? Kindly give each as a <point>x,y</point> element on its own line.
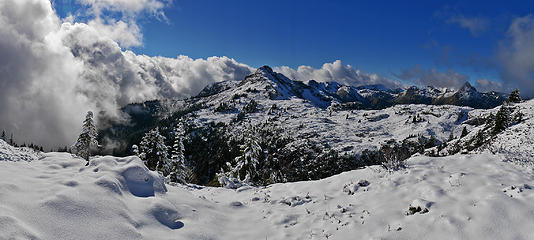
<point>322,124</point>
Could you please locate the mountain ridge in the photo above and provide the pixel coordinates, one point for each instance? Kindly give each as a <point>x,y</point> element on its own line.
<point>325,94</point>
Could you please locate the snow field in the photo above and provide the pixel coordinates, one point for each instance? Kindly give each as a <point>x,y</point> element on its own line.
<point>472,196</point>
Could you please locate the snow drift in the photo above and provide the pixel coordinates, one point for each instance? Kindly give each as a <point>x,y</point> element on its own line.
<point>473,196</point>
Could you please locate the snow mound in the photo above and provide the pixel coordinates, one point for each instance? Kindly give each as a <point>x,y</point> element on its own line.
<point>9,153</point>
<point>127,174</point>
<point>58,197</point>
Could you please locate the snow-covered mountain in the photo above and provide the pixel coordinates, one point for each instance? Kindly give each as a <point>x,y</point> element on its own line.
<point>363,97</point>
<point>320,123</point>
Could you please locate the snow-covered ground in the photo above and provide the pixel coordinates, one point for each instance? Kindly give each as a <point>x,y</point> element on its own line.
<point>472,196</point>
<point>347,131</point>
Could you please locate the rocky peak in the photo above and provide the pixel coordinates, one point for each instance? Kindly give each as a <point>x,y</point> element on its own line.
<point>467,88</point>
<point>467,91</point>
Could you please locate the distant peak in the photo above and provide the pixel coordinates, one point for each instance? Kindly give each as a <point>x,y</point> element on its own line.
<point>265,68</point>
<point>467,88</point>
<point>467,85</point>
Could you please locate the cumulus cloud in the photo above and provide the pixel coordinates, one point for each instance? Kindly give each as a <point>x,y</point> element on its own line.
<point>433,77</point>
<point>475,25</point>
<point>52,71</point>
<point>336,72</point>
<point>121,28</point>
<point>516,55</point>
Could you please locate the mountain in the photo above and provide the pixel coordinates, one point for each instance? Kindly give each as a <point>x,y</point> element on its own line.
<point>323,124</point>
<point>467,95</point>
<point>326,94</point>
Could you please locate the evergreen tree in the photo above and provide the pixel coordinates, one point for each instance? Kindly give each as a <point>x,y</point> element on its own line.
<point>250,154</point>
<point>245,169</point>
<point>135,150</point>
<point>86,142</point>
<point>464,132</point>
<point>178,170</point>
<point>514,97</point>
<point>490,119</point>
<point>502,119</point>
<point>4,137</point>
<point>11,140</point>
<point>518,117</point>
<point>153,152</point>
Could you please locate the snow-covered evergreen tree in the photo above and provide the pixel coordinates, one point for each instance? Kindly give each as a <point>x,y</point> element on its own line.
<point>250,154</point>
<point>135,150</point>
<point>464,132</point>
<point>11,140</point>
<point>153,152</point>
<point>4,137</point>
<point>86,142</point>
<point>178,170</point>
<point>245,168</point>
<point>502,119</point>
<point>514,97</point>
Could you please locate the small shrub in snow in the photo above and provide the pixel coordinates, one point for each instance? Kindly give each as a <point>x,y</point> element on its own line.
<point>363,183</point>
<point>295,200</point>
<point>352,188</point>
<point>420,206</point>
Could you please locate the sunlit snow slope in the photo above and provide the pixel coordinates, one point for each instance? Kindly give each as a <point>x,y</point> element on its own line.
<point>54,196</point>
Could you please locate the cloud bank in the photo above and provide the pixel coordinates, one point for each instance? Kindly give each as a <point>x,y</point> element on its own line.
<point>486,85</point>
<point>53,70</point>
<point>516,55</point>
<point>336,72</point>
<point>433,77</point>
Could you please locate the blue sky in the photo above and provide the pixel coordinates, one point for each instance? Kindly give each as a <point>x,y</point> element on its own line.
<point>384,37</point>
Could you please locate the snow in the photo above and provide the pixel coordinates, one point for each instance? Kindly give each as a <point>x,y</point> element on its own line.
<point>470,196</point>
<point>305,112</point>
<point>517,140</point>
<point>8,153</point>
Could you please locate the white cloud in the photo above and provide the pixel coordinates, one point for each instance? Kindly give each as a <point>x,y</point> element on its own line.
<point>486,85</point>
<point>475,25</point>
<point>516,55</point>
<point>433,77</point>
<point>53,71</point>
<point>335,72</point>
<point>127,34</point>
<point>123,27</point>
